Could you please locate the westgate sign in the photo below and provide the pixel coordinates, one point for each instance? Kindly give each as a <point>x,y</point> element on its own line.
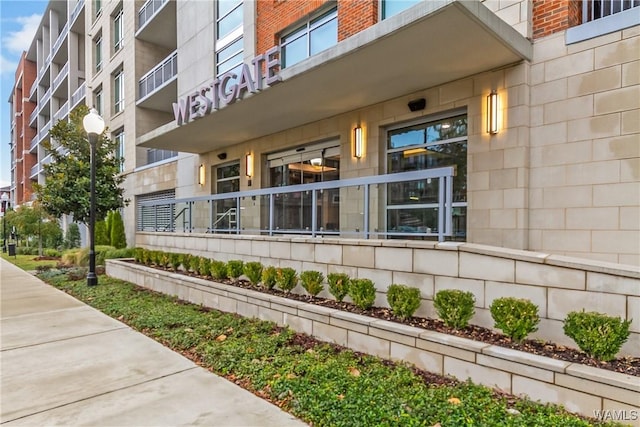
<point>228,88</point>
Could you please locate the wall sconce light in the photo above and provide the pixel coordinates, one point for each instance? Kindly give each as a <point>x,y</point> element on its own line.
<point>358,143</point>
<point>201,175</point>
<point>492,113</point>
<point>248,162</point>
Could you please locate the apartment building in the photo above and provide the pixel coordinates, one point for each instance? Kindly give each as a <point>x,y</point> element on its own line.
<point>22,159</point>
<point>510,124</point>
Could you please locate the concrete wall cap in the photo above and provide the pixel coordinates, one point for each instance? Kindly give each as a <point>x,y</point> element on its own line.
<point>595,266</point>
<point>399,328</point>
<point>459,342</point>
<point>496,251</point>
<point>604,376</point>
<point>526,358</point>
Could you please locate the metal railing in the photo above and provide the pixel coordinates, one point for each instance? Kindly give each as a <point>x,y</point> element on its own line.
<point>356,207</point>
<point>148,10</point>
<point>159,75</point>
<point>44,131</point>
<point>34,142</point>
<point>33,114</point>
<point>62,111</point>
<point>45,97</point>
<point>596,9</point>
<point>61,75</point>
<point>35,169</point>
<point>78,95</point>
<point>60,39</point>
<point>34,87</point>
<point>76,10</point>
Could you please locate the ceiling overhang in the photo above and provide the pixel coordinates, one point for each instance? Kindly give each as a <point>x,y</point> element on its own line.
<point>430,44</point>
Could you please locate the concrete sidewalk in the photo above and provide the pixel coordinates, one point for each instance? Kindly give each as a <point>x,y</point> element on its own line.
<point>65,363</point>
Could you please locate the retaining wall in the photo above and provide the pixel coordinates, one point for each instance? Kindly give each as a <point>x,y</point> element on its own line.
<point>579,388</point>
<point>556,284</point>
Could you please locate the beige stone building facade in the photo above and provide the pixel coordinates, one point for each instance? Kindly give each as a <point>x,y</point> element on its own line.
<point>558,175</point>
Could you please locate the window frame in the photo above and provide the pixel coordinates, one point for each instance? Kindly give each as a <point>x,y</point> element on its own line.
<point>98,100</point>
<point>97,53</point>
<point>220,18</point>
<point>118,89</point>
<point>118,29</point>
<point>119,138</point>
<point>305,29</point>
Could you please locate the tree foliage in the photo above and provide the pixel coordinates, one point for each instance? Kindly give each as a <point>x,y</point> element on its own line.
<point>72,237</point>
<point>67,176</point>
<point>100,236</point>
<point>33,223</point>
<point>118,237</point>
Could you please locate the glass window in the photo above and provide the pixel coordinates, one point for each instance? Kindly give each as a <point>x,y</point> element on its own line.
<point>229,57</point>
<point>156,155</point>
<point>312,37</point>
<point>97,52</point>
<point>412,206</point>
<point>118,92</point>
<point>393,7</point>
<point>119,139</point>
<point>97,8</point>
<point>117,31</point>
<point>228,178</point>
<point>229,16</point>
<point>97,100</point>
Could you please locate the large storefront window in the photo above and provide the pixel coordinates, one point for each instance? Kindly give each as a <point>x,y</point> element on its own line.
<point>306,165</point>
<point>412,207</point>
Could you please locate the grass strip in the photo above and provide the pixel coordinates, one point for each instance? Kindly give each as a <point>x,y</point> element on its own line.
<point>322,384</point>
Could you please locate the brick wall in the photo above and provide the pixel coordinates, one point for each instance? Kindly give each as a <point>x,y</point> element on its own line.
<point>355,16</point>
<point>275,15</point>
<point>551,16</point>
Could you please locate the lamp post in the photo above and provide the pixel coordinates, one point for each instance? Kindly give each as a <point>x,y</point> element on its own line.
<point>5,200</point>
<point>94,126</point>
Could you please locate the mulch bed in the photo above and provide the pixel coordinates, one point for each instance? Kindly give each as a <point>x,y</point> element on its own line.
<point>625,365</point>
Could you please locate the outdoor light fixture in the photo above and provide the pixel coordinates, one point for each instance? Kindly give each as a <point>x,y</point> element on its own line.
<point>249,165</point>
<point>492,113</point>
<point>201,175</point>
<point>358,143</point>
<point>94,126</point>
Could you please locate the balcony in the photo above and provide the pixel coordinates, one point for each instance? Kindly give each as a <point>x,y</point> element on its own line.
<point>32,92</point>
<point>33,144</point>
<point>158,88</point>
<point>78,95</point>
<point>601,17</point>
<point>76,11</point>
<point>61,38</point>
<point>62,112</point>
<point>157,23</point>
<point>35,170</point>
<point>44,132</point>
<point>64,72</point>
<point>33,116</point>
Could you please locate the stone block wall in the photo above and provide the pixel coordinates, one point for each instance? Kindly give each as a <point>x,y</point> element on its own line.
<point>579,388</point>
<point>556,284</point>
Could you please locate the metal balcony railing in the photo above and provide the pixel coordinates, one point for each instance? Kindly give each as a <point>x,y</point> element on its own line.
<point>45,97</point>
<point>355,207</point>
<point>159,75</point>
<point>44,131</point>
<point>78,95</point>
<point>62,112</point>
<point>34,87</point>
<point>596,9</point>
<point>34,142</point>
<point>76,10</point>
<point>61,75</point>
<point>35,170</point>
<point>60,39</point>
<point>148,10</point>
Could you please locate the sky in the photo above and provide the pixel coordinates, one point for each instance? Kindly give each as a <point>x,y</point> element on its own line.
<point>19,20</point>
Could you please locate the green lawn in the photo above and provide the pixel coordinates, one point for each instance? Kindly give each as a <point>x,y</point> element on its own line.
<point>28,262</point>
<point>319,383</point>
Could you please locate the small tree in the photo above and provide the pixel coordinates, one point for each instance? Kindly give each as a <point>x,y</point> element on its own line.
<point>67,176</point>
<point>118,238</point>
<point>109,225</point>
<point>72,236</point>
<point>101,237</point>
